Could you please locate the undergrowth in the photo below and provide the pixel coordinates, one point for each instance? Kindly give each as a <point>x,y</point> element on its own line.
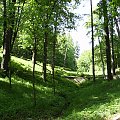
<point>85,101</point>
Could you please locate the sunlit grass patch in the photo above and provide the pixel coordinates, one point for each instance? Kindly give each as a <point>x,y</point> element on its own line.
<point>96,101</point>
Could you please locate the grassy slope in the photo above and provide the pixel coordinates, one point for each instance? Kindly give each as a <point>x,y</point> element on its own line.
<point>87,101</point>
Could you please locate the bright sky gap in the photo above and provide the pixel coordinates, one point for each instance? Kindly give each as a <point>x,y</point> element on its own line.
<point>80,33</point>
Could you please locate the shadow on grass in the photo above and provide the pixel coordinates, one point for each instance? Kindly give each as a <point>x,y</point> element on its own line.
<point>90,96</point>
<point>18,104</point>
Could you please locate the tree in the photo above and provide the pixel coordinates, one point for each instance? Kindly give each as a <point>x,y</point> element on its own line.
<point>101,55</point>
<point>5,20</point>
<point>53,53</point>
<point>7,37</point>
<point>65,19</point>
<point>34,62</point>
<point>106,29</point>
<point>112,44</point>
<point>70,61</point>
<point>77,50</point>
<point>10,33</point>
<point>93,63</point>
<point>84,61</point>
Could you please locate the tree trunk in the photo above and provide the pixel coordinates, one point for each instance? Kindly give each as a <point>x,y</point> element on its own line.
<point>118,54</point>
<point>45,56</point>
<point>113,56</point>
<point>108,50</point>
<point>65,56</point>
<point>18,21</point>
<point>53,62</point>
<point>5,20</point>
<point>117,27</point>
<point>8,34</point>
<point>6,51</point>
<point>101,55</point>
<point>53,58</point>
<point>34,62</point>
<point>93,62</point>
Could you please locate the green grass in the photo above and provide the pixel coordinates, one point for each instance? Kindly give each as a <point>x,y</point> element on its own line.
<point>95,101</point>
<point>86,101</point>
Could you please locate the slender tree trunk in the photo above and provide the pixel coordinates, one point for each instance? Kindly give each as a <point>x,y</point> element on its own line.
<point>6,51</point>
<point>9,74</point>
<point>45,55</point>
<point>111,35</point>
<point>101,55</point>
<point>117,27</point>
<point>116,20</point>
<point>53,62</point>
<point>113,56</point>
<point>65,56</point>
<point>118,31</point>
<point>6,63</point>
<point>5,20</point>
<point>5,40</point>
<point>118,54</point>
<point>18,21</point>
<point>12,21</point>
<point>93,62</point>
<point>34,62</point>
<point>108,50</point>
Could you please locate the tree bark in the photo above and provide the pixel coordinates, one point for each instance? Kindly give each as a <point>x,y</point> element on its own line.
<point>45,55</point>
<point>101,55</point>
<point>6,51</point>
<point>117,27</point>
<point>93,62</point>
<point>34,62</point>
<point>18,21</point>
<point>112,43</point>
<point>65,56</point>
<point>8,34</point>
<point>53,61</point>
<point>108,50</point>
<point>5,20</point>
<point>118,54</point>
<point>53,58</point>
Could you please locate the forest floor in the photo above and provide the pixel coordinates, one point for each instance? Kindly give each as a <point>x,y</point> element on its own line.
<point>77,98</point>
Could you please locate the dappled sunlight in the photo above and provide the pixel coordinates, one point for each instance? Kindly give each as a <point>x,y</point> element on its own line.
<point>99,101</point>
<point>95,112</point>
<point>46,74</point>
<point>81,101</point>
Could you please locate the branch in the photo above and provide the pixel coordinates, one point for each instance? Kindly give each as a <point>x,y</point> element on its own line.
<point>17,28</point>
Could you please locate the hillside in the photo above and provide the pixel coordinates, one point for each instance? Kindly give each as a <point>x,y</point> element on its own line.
<point>84,101</point>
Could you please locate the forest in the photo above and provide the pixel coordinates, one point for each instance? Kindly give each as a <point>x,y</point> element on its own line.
<point>43,76</point>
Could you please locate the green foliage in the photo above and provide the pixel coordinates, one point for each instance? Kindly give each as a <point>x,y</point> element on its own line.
<point>84,62</point>
<point>65,52</point>
<point>33,24</point>
<point>72,101</point>
<point>112,9</point>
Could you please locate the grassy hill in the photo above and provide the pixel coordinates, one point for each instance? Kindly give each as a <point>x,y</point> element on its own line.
<point>85,101</point>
